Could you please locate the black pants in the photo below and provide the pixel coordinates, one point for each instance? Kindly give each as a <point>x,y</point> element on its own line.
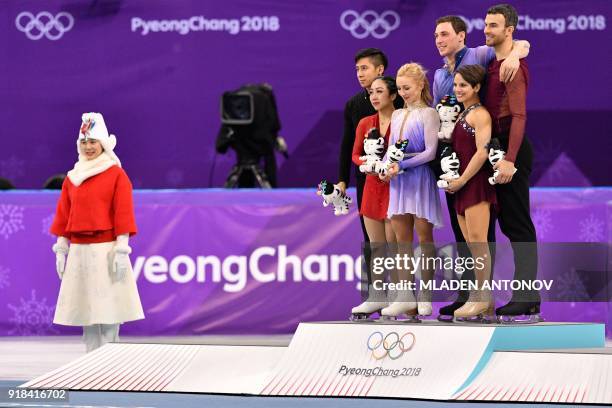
<point>359,185</point>
<point>515,218</point>
<point>462,249</point>
<point>360,179</point>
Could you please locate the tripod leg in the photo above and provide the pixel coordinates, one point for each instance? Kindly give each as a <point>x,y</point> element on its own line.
<point>232,179</point>
<point>262,180</point>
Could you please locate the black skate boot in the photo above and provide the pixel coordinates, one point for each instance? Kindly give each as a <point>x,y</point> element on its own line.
<point>519,313</point>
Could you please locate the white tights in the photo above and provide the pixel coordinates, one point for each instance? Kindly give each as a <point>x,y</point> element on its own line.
<point>97,335</point>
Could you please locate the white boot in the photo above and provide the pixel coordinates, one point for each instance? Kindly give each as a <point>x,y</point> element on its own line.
<point>424,302</point>
<point>97,335</point>
<point>109,333</point>
<point>373,304</point>
<point>92,337</point>
<point>369,307</point>
<point>404,304</point>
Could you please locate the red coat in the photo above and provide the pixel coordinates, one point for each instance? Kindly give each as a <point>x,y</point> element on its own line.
<point>98,210</point>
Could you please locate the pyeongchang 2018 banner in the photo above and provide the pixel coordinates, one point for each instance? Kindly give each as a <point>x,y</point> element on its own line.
<point>216,261</point>
<point>157,70</point>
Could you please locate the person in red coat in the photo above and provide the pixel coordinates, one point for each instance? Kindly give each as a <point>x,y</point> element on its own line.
<point>93,222</point>
<point>375,199</point>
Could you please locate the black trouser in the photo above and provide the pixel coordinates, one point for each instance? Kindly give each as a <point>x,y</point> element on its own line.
<point>360,179</point>
<point>515,218</point>
<point>462,249</point>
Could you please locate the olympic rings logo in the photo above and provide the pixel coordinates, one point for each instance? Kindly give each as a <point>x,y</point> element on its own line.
<point>391,345</point>
<point>369,23</point>
<point>44,24</point>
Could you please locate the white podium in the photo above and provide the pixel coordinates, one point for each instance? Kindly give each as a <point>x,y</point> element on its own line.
<point>544,362</point>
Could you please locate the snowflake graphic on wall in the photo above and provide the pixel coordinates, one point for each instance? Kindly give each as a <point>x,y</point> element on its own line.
<point>46,224</point>
<point>4,277</point>
<point>32,317</point>
<point>546,152</point>
<point>543,222</point>
<point>12,168</point>
<point>591,229</point>
<point>11,219</point>
<point>569,288</point>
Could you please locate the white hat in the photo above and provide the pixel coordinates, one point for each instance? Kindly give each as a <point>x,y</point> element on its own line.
<point>93,127</point>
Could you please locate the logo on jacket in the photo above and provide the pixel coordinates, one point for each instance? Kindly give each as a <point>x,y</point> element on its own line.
<point>369,23</point>
<point>392,345</point>
<point>44,24</point>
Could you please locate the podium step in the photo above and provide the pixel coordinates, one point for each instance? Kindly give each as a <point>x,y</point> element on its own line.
<point>430,360</point>
<point>569,377</point>
<point>166,368</point>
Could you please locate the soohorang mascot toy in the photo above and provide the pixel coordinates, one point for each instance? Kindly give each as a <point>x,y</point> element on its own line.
<point>374,147</point>
<point>395,154</point>
<point>449,109</point>
<point>332,195</point>
<point>495,155</point>
<point>449,162</point>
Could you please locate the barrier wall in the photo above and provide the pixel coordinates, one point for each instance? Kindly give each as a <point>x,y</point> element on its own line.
<point>217,261</point>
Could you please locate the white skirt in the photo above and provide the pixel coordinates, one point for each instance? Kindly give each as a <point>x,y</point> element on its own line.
<point>88,295</point>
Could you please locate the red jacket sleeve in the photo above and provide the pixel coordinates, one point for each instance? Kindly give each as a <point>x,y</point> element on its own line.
<point>123,206</point>
<point>62,212</point>
<point>360,135</point>
<point>517,102</point>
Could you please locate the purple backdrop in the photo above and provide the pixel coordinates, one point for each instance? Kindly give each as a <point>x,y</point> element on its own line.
<point>158,81</point>
<point>182,233</point>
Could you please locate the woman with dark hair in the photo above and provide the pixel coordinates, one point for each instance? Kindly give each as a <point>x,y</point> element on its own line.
<point>474,196</point>
<point>375,199</point>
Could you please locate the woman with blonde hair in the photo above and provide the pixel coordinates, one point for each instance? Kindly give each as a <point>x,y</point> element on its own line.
<point>414,202</point>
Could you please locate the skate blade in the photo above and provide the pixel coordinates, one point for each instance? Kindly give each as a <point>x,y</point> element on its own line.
<point>479,319</point>
<point>362,317</point>
<point>412,319</point>
<point>521,319</point>
<point>403,318</point>
<point>446,318</point>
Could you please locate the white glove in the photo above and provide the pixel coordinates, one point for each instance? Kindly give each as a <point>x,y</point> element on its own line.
<point>61,250</point>
<point>120,263</point>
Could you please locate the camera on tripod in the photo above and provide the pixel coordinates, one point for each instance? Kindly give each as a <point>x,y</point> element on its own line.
<point>250,126</point>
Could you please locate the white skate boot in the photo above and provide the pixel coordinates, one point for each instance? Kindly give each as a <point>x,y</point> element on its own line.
<point>367,309</point>
<point>373,304</point>
<point>404,307</point>
<point>424,303</point>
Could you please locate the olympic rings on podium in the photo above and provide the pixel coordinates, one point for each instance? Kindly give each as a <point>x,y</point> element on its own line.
<point>392,344</point>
